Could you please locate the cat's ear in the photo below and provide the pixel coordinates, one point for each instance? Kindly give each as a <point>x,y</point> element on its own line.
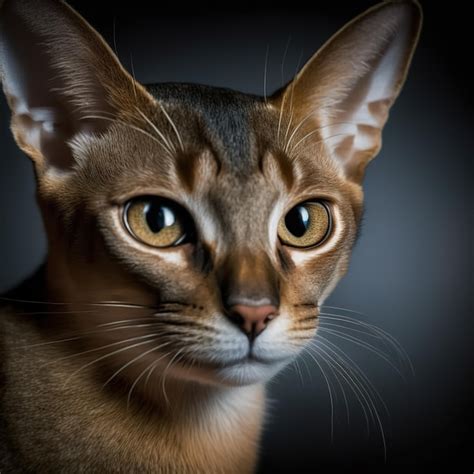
<point>57,73</point>
<point>342,96</point>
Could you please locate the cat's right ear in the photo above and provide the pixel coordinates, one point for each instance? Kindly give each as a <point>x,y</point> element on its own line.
<point>59,77</point>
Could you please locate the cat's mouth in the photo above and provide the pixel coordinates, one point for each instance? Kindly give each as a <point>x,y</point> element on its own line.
<point>248,359</point>
<point>245,370</point>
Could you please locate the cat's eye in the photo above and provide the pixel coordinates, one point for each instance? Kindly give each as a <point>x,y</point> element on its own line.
<point>158,222</point>
<point>306,225</point>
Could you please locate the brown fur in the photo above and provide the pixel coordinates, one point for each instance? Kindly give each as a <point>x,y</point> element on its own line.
<point>237,164</point>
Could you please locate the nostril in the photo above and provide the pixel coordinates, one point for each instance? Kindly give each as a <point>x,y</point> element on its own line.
<point>252,320</point>
<point>236,317</point>
<point>269,318</point>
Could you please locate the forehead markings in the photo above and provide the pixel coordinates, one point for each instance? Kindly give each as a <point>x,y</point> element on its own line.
<point>277,166</point>
<point>278,169</point>
<point>196,170</point>
<point>219,117</point>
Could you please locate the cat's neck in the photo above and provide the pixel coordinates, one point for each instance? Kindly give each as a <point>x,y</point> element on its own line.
<point>215,429</point>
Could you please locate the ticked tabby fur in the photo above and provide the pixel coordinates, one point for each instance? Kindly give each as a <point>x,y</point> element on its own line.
<point>193,233</point>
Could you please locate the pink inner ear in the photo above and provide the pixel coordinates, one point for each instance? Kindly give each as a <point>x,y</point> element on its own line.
<point>345,91</point>
<point>56,70</point>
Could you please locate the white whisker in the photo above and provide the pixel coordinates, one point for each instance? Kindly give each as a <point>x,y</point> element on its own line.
<point>126,124</point>
<point>361,384</point>
<point>265,74</point>
<point>329,390</point>
<point>283,61</point>
<point>363,344</point>
<point>165,373</point>
<point>169,146</point>
<point>134,78</point>
<point>319,141</point>
<point>391,342</point>
<point>173,125</point>
<point>105,357</point>
<point>143,354</point>
<point>147,368</point>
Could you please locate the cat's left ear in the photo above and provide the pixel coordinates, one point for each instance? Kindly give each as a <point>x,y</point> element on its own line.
<point>342,96</point>
<point>59,77</point>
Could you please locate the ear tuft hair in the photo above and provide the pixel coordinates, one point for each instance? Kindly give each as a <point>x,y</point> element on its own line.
<point>57,73</point>
<point>343,94</point>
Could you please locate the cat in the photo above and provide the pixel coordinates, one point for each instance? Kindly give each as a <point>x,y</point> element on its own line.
<point>193,234</point>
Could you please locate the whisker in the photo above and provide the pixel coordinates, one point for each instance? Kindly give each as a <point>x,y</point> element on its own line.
<point>280,118</point>
<point>283,61</point>
<point>344,396</point>
<point>295,130</point>
<point>148,368</point>
<point>351,381</point>
<point>307,369</point>
<point>153,367</point>
<point>82,335</point>
<point>143,354</point>
<point>357,369</point>
<point>173,125</point>
<point>126,124</point>
<point>329,390</point>
<point>341,326</point>
<point>363,344</point>
<point>319,141</point>
<point>108,304</point>
<point>291,100</point>
<point>105,357</point>
<point>165,373</point>
<point>114,36</point>
<point>34,313</point>
<point>370,403</point>
<point>17,300</point>
<point>369,332</point>
<point>265,74</point>
<point>335,374</point>
<point>298,371</point>
<point>343,309</point>
<point>384,335</point>
<point>95,349</point>
<point>134,78</point>
<point>114,323</point>
<point>348,379</point>
<point>282,106</point>
<point>170,147</point>
<point>120,304</point>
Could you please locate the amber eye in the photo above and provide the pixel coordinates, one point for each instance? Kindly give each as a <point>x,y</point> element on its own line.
<point>158,222</point>
<point>306,225</point>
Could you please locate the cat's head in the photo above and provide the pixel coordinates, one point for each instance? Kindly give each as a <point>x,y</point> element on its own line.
<point>226,218</point>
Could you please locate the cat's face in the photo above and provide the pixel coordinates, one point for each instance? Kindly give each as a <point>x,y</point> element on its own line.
<point>225,218</point>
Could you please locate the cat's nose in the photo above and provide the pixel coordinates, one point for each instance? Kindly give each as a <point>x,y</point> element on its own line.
<point>252,320</point>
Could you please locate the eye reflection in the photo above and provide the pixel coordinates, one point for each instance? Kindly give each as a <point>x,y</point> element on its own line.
<point>306,225</point>
<point>158,222</point>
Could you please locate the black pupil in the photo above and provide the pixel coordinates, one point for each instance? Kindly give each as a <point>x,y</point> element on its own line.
<point>297,221</point>
<point>158,216</point>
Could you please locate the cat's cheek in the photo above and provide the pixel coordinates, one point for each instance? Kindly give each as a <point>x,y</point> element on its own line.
<point>275,344</point>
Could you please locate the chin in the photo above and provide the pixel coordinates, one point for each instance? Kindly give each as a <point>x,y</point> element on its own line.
<point>247,372</point>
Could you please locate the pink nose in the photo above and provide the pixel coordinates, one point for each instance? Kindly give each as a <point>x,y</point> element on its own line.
<point>253,319</point>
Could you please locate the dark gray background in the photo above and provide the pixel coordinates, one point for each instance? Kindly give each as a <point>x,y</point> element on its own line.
<point>410,271</point>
